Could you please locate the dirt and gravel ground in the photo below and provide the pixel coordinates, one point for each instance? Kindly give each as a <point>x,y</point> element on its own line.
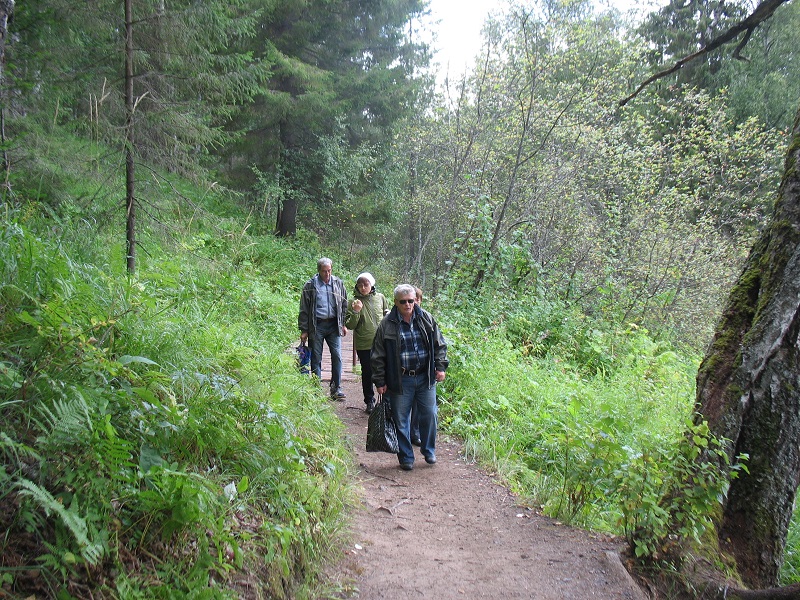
<point>448,531</point>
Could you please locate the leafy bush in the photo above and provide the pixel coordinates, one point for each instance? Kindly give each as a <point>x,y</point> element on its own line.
<point>557,417</point>
<point>666,494</point>
<point>159,417</point>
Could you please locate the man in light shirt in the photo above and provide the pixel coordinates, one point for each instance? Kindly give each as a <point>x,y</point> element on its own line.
<point>323,306</point>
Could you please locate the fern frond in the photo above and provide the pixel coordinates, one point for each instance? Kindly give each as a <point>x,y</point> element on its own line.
<point>15,450</point>
<point>117,458</point>
<point>91,551</point>
<point>68,418</point>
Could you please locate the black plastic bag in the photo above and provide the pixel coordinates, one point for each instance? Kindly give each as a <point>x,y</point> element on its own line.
<point>381,430</point>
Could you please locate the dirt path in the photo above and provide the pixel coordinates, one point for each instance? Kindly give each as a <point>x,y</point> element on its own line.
<point>447,531</point>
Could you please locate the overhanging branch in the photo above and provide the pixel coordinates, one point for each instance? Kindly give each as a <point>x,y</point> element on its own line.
<point>762,12</point>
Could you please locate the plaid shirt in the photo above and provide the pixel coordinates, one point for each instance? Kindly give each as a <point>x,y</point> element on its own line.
<point>413,352</point>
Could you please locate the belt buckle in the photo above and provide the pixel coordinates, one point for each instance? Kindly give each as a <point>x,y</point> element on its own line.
<point>410,372</point>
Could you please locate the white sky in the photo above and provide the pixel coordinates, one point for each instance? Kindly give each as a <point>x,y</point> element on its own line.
<point>459,30</point>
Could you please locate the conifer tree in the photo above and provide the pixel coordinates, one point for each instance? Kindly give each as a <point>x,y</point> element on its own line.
<point>340,64</point>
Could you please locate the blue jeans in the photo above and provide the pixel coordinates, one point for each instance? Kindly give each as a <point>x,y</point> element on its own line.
<point>415,390</point>
<point>414,423</point>
<point>327,331</point>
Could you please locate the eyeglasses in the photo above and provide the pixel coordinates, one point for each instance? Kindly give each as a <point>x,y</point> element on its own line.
<point>406,301</point>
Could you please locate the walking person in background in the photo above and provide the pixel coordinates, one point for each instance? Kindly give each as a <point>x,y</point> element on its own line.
<point>409,357</point>
<point>414,412</point>
<point>323,306</point>
<point>363,317</point>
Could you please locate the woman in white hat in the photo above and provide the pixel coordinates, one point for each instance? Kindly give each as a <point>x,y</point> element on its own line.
<point>364,314</point>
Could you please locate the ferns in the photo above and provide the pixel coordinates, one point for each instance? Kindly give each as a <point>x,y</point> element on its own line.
<point>66,420</point>
<point>91,550</point>
<point>128,408</point>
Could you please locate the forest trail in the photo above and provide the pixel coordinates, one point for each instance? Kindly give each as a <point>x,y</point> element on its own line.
<point>448,531</point>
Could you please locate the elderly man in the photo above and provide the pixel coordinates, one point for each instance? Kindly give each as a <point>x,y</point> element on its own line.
<point>323,306</point>
<point>415,413</point>
<point>409,356</point>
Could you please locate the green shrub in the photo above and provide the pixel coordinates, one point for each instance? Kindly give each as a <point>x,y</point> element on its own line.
<point>160,417</point>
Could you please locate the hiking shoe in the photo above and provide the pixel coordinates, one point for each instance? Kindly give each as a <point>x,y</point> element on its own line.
<point>406,466</point>
<point>416,441</point>
<point>430,459</point>
<point>337,393</point>
<point>370,402</point>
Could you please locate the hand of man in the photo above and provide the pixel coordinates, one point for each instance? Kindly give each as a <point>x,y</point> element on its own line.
<point>344,331</point>
<point>440,375</point>
<point>303,337</point>
<point>381,390</point>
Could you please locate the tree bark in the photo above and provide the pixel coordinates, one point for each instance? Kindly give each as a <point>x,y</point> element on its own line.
<point>6,9</point>
<point>130,179</point>
<point>286,224</point>
<point>748,389</point>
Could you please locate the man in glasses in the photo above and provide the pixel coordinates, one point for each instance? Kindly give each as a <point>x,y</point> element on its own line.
<point>414,413</point>
<point>323,306</point>
<point>409,356</point>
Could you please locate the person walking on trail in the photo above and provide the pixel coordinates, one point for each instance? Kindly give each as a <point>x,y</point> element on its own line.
<point>363,317</point>
<point>415,441</point>
<point>409,356</point>
<point>323,306</point>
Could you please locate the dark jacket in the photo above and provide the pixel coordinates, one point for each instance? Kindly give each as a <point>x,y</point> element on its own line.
<point>307,321</point>
<point>386,349</point>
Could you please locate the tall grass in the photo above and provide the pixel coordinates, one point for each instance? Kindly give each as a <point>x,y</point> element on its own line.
<point>584,420</point>
<point>155,427</point>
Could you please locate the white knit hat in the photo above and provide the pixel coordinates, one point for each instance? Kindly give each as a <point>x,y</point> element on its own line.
<point>368,277</point>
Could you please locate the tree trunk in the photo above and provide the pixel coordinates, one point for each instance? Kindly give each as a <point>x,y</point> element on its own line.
<point>748,389</point>
<point>286,224</point>
<point>130,179</point>
<point>6,8</point>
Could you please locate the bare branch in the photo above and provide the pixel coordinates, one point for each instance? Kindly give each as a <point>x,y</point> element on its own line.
<point>762,12</point>
<point>742,44</point>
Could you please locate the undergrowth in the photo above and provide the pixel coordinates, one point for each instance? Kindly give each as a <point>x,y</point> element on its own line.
<point>590,422</point>
<point>157,440</point>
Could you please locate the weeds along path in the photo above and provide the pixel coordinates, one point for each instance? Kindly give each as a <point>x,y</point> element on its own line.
<point>448,531</point>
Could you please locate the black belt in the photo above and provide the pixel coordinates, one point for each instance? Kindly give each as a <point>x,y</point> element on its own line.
<point>411,372</point>
<point>326,320</point>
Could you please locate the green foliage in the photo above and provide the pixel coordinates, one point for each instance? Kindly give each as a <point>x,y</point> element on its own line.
<point>762,83</point>
<point>767,85</point>
<point>524,179</point>
<point>671,493</point>
<point>594,426</point>
<point>189,66</point>
<point>161,416</point>
<point>344,74</point>
<point>682,28</point>
<point>557,402</point>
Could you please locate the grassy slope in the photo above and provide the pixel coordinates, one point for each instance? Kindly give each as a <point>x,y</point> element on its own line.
<point>157,441</point>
